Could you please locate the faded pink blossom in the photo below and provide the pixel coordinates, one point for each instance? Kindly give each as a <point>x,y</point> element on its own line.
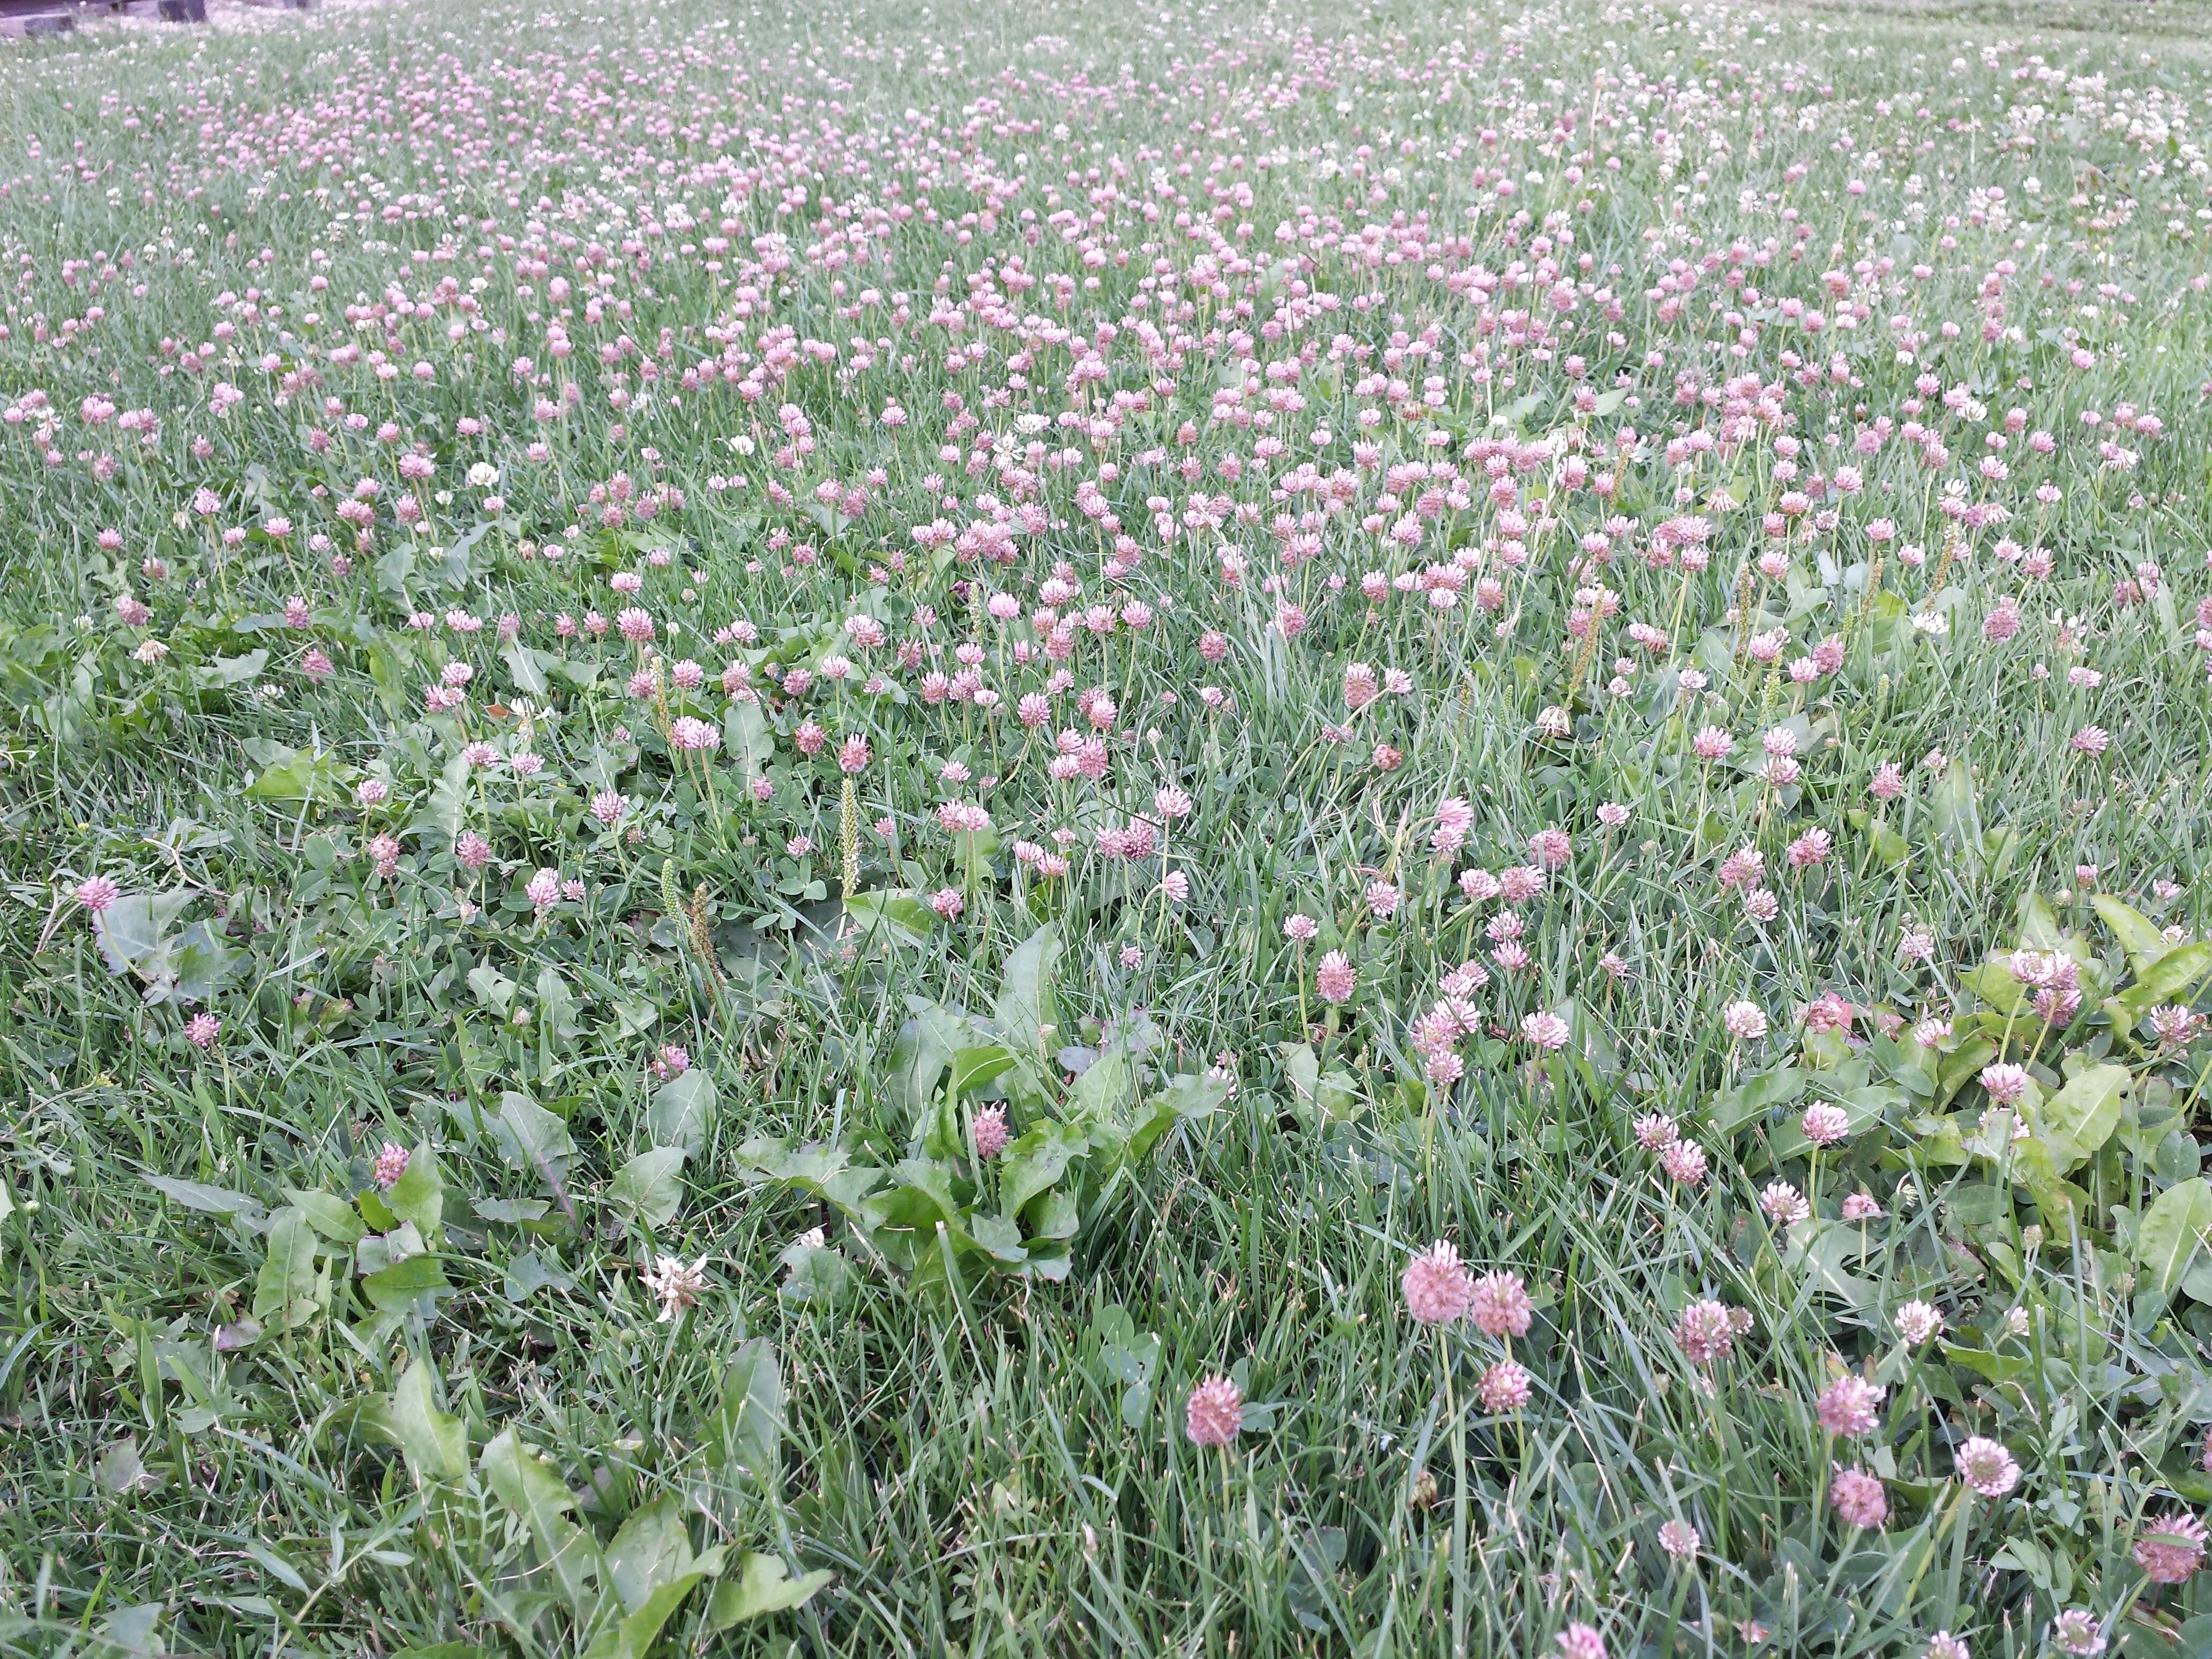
<point>1504,1387</point>
<point>1849,1406</point>
<point>1500,1306</point>
<point>1858,1498</point>
<point>1334,977</point>
<point>391,1164</point>
<point>1743,1020</point>
<point>1987,1467</point>
<point>1824,1124</point>
<point>2171,1548</point>
<point>1546,1031</point>
<point>1705,1332</point>
<point>2077,1632</point>
<point>1215,1413</point>
<point>1437,1287</point>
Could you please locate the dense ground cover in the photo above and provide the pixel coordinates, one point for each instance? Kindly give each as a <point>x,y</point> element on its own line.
<point>1032,829</point>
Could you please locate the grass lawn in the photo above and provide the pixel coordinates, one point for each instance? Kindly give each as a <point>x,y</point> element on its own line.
<point>1122,828</point>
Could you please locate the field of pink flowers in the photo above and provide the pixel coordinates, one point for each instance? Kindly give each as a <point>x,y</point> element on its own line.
<point>1141,828</point>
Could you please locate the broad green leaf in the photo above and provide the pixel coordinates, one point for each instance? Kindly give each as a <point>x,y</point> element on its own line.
<point>534,1271</point>
<point>815,1275</point>
<point>634,1015</point>
<point>1591,1044</point>
<point>973,848</point>
<point>764,1585</point>
<point>582,673</point>
<point>434,1442</point>
<point>1035,1161</point>
<point>1962,1066</point>
<point>2171,1230</point>
<point>1025,1002</point>
<point>493,989</point>
<point>329,1215</point>
<point>681,1109</point>
<point>381,1250</point>
<point>442,815</point>
<point>653,1549</point>
<point>119,1468</point>
<point>2173,977</point>
<point>920,1196</point>
<point>918,1059</point>
<point>2024,1555</point>
<point>393,569</point>
<point>531,1138</point>
<point>1958,815</point>
<point>511,1209</point>
<point>2082,1116</point>
<point>649,1188</point>
<point>523,663</point>
<point>1104,1089</point>
<point>997,1236</point>
<point>634,1634</point>
<point>746,737</point>
<point>976,1069</point>
<point>419,1194</point>
<point>1200,1094</point>
<point>311,777</point>
<point>129,1633</point>
<point>1979,1204</point>
<point>751,1421</point>
<point>1136,1405</point>
<point>2137,933</point>
<point>1999,847</point>
<point>1820,1248</point>
<point>1998,1367</point>
<point>195,966</point>
<point>132,930</point>
<point>285,1292</point>
<point>230,670</point>
<point>530,1487</point>
<point>2034,1167</point>
<point>951,1032</point>
<point>1052,1215</point>
<point>2039,924</point>
<point>1755,1096</point>
<point>2197,1282</point>
<point>825,1172</point>
<point>403,1284</point>
<point>1996,985</point>
<point>556,1004</point>
<point>2178,1158</point>
<point>1132,1359</point>
<point>214,1200</point>
<point>899,914</point>
<point>1339,1095</point>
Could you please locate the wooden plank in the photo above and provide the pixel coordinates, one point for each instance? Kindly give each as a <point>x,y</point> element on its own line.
<point>23,21</point>
<point>20,17</point>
